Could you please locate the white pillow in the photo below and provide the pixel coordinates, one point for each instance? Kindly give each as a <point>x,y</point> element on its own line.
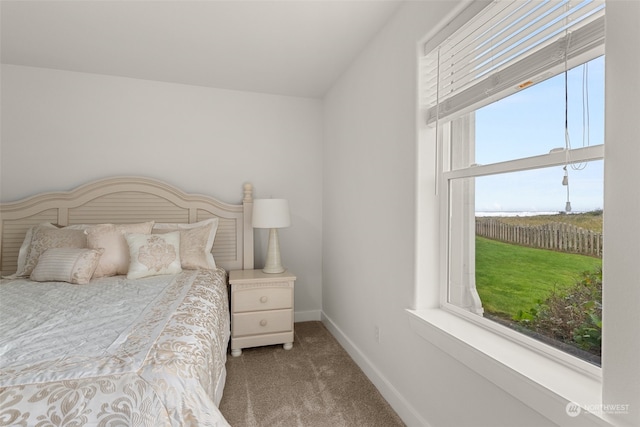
<point>196,242</point>
<point>72,265</point>
<point>153,254</point>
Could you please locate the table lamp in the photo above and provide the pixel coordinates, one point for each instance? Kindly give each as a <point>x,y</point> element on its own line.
<point>272,214</point>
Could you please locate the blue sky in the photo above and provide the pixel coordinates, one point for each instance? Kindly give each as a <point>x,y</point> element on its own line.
<point>531,122</point>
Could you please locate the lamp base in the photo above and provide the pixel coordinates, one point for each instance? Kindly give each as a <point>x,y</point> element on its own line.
<point>273,263</point>
<point>274,270</point>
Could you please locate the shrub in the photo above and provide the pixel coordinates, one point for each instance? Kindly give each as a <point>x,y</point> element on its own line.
<point>573,315</point>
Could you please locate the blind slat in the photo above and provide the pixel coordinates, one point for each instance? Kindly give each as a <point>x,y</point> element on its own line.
<point>540,33</point>
<point>481,57</point>
<point>537,66</point>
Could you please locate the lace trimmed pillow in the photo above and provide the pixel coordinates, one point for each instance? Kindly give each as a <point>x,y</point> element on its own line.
<point>153,254</point>
<point>110,237</point>
<point>196,242</point>
<point>70,265</point>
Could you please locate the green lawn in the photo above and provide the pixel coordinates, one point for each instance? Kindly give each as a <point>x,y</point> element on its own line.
<point>511,278</point>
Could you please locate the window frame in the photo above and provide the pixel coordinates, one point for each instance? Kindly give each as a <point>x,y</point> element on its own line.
<point>458,127</point>
<point>448,172</point>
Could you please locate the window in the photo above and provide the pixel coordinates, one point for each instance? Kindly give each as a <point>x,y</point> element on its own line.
<point>501,93</point>
<point>546,384</point>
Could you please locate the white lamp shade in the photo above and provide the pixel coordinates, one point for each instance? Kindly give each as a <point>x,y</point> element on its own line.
<point>271,213</point>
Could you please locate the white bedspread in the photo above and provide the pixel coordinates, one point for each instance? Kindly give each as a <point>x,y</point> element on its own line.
<point>114,352</point>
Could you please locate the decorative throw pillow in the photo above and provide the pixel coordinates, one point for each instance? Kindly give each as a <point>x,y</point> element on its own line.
<point>196,242</point>
<point>71,265</point>
<point>24,250</point>
<point>110,237</point>
<point>153,254</point>
<point>47,236</point>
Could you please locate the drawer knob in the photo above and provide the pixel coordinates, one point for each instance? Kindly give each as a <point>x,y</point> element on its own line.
<point>263,299</point>
<point>263,322</point>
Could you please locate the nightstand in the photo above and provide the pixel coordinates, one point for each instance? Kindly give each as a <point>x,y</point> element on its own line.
<point>261,309</point>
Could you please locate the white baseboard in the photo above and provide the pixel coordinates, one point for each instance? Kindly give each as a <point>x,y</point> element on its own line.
<point>307,316</point>
<point>408,414</point>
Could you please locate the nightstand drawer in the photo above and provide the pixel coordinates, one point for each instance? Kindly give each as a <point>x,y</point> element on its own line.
<point>263,298</point>
<point>266,322</point>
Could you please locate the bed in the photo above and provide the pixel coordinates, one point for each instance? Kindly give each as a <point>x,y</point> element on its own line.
<point>83,342</point>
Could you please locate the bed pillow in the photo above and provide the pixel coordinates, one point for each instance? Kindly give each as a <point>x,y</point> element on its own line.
<point>24,250</point>
<point>110,237</point>
<point>26,245</point>
<point>46,236</point>
<point>72,265</point>
<point>196,242</point>
<point>153,254</point>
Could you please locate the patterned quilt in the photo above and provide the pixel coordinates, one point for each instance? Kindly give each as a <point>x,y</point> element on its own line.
<point>115,352</point>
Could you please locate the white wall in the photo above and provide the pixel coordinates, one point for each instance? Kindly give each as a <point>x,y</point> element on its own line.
<point>62,129</point>
<point>369,231</point>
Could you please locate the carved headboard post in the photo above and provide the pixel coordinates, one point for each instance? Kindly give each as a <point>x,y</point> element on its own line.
<point>247,203</point>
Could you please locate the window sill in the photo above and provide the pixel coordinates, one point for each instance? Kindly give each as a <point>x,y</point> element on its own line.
<point>545,385</point>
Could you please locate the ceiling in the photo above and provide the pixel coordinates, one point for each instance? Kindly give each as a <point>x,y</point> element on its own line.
<point>291,47</point>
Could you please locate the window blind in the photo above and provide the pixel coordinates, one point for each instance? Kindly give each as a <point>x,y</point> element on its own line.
<point>507,46</point>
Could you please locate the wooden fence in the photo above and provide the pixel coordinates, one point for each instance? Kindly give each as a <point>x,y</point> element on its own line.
<point>554,236</point>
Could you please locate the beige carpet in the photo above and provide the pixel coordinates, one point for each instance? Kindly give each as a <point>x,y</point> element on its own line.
<point>314,384</point>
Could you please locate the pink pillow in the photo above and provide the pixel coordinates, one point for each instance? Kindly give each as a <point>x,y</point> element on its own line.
<point>110,237</point>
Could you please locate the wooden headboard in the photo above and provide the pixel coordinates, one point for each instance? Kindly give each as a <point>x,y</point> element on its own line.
<point>127,200</point>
